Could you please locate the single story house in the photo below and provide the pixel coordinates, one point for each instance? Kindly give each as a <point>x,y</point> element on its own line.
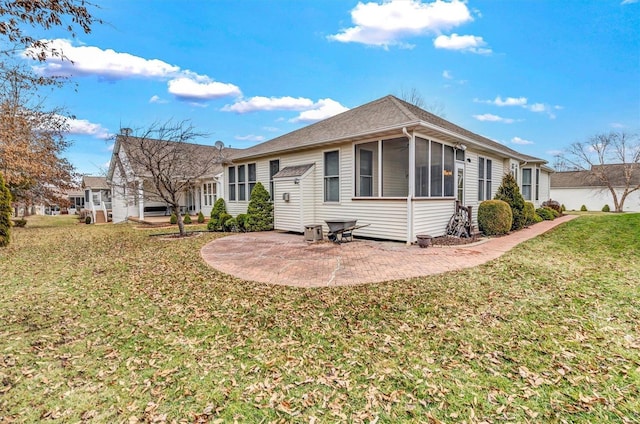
<point>576,188</point>
<point>388,164</point>
<point>97,198</point>
<point>130,179</point>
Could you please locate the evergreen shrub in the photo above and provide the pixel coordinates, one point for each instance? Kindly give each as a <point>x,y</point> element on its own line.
<point>510,192</point>
<point>495,217</point>
<point>260,210</point>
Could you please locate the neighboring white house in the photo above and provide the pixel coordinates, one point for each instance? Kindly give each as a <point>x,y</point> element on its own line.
<point>97,198</point>
<point>574,189</point>
<point>130,182</point>
<point>387,163</point>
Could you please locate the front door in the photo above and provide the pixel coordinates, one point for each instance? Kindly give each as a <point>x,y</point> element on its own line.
<point>460,182</point>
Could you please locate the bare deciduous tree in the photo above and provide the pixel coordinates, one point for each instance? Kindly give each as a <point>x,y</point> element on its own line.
<point>414,97</point>
<point>164,156</point>
<point>613,159</point>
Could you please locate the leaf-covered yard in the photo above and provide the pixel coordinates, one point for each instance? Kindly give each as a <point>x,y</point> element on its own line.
<point>107,324</point>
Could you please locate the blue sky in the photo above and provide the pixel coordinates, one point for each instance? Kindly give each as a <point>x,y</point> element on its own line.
<point>535,75</point>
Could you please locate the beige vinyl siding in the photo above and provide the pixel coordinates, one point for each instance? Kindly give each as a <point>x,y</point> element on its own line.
<point>287,215</point>
<point>308,194</point>
<point>387,218</point>
<point>544,193</point>
<point>120,200</point>
<point>431,217</point>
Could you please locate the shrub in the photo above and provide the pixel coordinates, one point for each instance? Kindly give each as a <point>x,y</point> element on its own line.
<point>241,220</point>
<point>562,208</point>
<point>583,208</point>
<point>260,210</point>
<point>494,217</point>
<point>212,225</point>
<point>510,192</point>
<point>529,213</point>
<point>5,213</point>
<point>200,218</point>
<point>546,213</point>
<point>174,219</point>
<point>553,205</point>
<point>19,222</point>
<point>230,225</point>
<point>606,208</point>
<point>87,219</point>
<point>187,218</point>
<point>222,219</point>
<point>537,218</point>
<point>218,209</point>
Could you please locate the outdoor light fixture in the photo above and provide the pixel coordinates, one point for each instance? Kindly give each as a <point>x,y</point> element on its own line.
<point>296,181</point>
<point>461,146</point>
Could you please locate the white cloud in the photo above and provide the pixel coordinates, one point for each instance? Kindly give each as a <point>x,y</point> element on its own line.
<point>271,129</point>
<point>323,108</point>
<point>447,74</point>
<point>629,1</point>
<point>388,23</point>
<point>493,118</point>
<point>617,125</point>
<point>465,43</point>
<point>250,137</point>
<point>201,88</point>
<point>259,103</point>
<point>524,103</point>
<point>521,141</point>
<point>84,127</point>
<point>157,99</point>
<point>109,64</point>
<point>554,152</point>
<point>537,107</point>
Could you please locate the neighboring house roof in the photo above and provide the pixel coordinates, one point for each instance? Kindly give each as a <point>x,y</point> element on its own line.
<point>293,171</point>
<point>386,115</point>
<point>209,156</point>
<point>576,179</point>
<point>99,183</point>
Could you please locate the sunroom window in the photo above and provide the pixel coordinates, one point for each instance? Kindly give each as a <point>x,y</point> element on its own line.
<point>367,169</point>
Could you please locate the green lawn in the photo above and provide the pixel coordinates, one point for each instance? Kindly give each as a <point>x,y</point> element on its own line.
<point>107,324</point>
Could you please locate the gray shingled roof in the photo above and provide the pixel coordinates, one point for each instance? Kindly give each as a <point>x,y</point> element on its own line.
<point>293,171</point>
<point>576,179</point>
<point>201,152</point>
<point>378,116</point>
<point>99,183</point>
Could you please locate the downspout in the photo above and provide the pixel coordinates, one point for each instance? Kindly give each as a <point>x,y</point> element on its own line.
<point>412,166</point>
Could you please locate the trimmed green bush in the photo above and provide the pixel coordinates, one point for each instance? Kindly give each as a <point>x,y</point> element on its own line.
<point>187,218</point>
<point>87,219</point>
<point>222,219</point>
<point>200,218</point>
<point>537,218</point>
<point>241,220</point>
<point>5,213</point>
<point>529,213</point>
<point>510,192</point>
<point>583,208</point>
<point>230,225</point>
<point>260,210</point>
<point>218,208</point>
<point>494,217</point>
<point>174,219</point>
<point>606,208</point>
<point>546,213</point>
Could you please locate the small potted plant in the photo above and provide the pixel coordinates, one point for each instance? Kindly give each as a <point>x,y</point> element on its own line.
<point>424,240</point>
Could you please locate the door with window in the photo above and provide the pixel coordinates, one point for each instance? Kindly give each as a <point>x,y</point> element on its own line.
<point>460,182</point>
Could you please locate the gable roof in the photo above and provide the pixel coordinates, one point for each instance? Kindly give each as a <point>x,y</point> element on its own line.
<point>93,182</point>
<point>202,153</point>
<point>576,179</point>
<point>293,171</point>
<point>387,115</point>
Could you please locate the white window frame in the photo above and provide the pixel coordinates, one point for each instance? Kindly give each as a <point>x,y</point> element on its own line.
<point>485,178</point>
<point>530,185</point>
<point>327,178</point>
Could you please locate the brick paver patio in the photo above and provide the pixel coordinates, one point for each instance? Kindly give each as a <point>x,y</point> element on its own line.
<point>286,259</point>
